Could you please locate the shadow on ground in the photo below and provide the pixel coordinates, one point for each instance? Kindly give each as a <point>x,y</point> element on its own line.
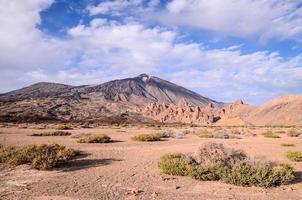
<point>80,164</point>
<point>298,178</point>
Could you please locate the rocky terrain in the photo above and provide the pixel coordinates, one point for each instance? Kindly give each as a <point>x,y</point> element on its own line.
<point>140,99</point>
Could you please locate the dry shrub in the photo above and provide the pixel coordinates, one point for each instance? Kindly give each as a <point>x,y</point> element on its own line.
<point>175,134</point>
<point>54,133</point>
<point>218,134</point>
<point>217,162</point>
<point>94,139</point>
<point>295,156</point>
<point>147,137</point>
<point>287,145</point>
<point>64,127</point>
<point>41,157</point>
<point>294,133</point>
<point>217,153</point>
<point>270,134</point>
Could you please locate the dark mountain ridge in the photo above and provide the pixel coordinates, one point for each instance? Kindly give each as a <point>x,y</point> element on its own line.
<point>146,87</point>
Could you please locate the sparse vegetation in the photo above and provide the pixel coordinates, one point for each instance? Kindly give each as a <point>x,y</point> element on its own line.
<point>293,133</point>
<point>64,127</point>
<point>270,134</point>
<point>295,156</point>
<point>174,164</point>
<point>280,132</point>
<point>204,134</point>
<point>94,139</point>
<point>147,137</point>
<point>163,135</point>
<point>227,165</point>
<point>41,157</point>
<point>54,133</point>
<point>287,145</point>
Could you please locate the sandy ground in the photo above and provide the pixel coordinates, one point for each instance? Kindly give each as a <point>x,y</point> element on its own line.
<point>128,170</point>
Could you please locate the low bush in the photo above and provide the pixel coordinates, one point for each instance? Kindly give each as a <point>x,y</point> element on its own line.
<point>54,133</point>
<point>204,134</point>
<point>163,135</point>
<point>264,176</point>
<point>295,156</point>
<point>293,133</point>
<point>64,127</point>
<point>147,137</point>
<point>287,145</point>
<point>280,132</point>
<point>227,165</point>
<point>41,157</point>
<point>94,139</point>
<point>174,164</point>
<point>270,134</point>
<point>212,153</point>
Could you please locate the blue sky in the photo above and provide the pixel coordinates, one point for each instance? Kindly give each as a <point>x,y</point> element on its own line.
<point>225,50</point>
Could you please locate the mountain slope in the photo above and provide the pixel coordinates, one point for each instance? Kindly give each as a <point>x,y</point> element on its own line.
<point>51,101</point>
<point>283,110</point>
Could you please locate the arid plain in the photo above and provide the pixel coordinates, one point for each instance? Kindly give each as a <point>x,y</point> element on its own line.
<point>126,169</point>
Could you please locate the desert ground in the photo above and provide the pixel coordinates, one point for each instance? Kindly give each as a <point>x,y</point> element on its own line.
<point>127,169</point>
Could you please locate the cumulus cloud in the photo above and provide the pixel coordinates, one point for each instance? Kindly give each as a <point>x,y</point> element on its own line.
<point>261,19</point>
<point>105,49</point>
<point>23,47</point>
<point>114,7</point>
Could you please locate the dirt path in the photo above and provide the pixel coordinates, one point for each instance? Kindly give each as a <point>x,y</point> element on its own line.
<point>128,170</point>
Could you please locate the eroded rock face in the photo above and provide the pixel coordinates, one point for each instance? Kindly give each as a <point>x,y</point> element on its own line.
<point>183,112</point>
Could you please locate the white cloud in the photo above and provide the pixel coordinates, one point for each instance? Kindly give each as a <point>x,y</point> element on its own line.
<point>104,50</point>
<point>261,19</point>
<point>114,7</point>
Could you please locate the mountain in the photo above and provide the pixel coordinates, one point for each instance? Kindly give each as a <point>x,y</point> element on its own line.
<point>283,110</point>
<point>140,99</point>
<point>52,101</point>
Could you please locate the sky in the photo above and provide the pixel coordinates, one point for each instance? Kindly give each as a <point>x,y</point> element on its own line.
<point>221,49</point>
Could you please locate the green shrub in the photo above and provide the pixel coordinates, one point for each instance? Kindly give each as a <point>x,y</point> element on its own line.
<point>54,133</point>
<point>270,134</point>
<point>264,176</point>
<point>231,166</point>
<point>41,157</point>
<point>295,156</point>
<point>174,164</point>
<point>147,137</point>
<point>64,127</point>
<point>209,172</point>
<point>293,133</point>
<point>94,139</point>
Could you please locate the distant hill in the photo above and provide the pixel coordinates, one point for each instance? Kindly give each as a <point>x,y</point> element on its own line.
<point>283,110</point>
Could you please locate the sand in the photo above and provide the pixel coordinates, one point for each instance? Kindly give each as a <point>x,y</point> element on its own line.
<point>128,170</point>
